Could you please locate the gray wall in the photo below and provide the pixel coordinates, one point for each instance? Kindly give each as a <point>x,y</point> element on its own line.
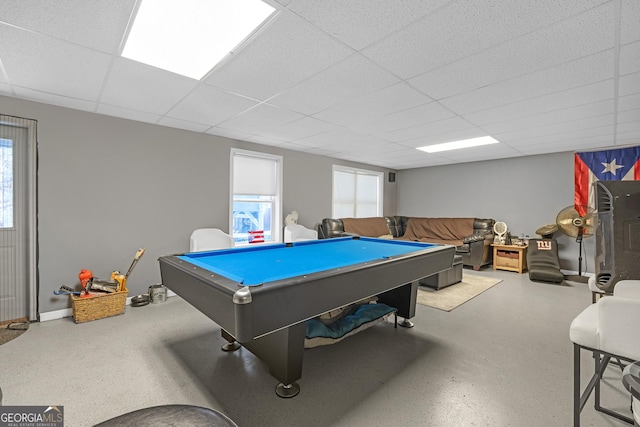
<point>526,193</point>
<point>109,186</point>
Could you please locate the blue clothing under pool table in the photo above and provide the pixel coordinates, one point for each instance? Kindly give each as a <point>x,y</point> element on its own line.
<point>262,295</point>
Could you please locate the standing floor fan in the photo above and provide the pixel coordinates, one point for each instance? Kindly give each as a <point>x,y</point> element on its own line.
<point>579,222</point>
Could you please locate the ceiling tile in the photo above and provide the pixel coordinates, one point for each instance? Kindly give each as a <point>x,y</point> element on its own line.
<point>572,136</point>
<point>629,102</point>
<point>554,101</point>
<point>53,99</point>
<point>427,130</point>
<point>228,133</point>
<point>376,104</point>
<point>140,87</point>
<point>632,126</point>
<point>96,24</point>
<point>45,64</point>
<point>629,84</point>
<point>557,116</point>
<point>259,119</point>
<point>210,106</point>
<point>299,129</point>
<point>583,35</point>
<point>182,124</point>
<point>565,76</point>
<point>466,27</point>
<point>385,148</point>
<point>411,117</point>
<point>628,138</point>
<point>318,151</point>
<point>295,147</point>
<point>629,116</point>
<point>487,152</point>
<point>339,138</point>
<point>358,23</point>
<point>629,19</point>
<point>630,58</point>
<point>415,158</point>
<point>356,76</point>
<point>583,126</point>
<point>288,51</point>
<point>126,113</point>
<point>580,145</point>
<point>261,139</point>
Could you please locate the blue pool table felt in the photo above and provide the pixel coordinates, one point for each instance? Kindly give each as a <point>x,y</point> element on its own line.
<point>255,265</point>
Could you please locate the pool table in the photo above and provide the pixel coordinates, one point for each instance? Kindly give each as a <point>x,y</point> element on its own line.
<point>262,295</point>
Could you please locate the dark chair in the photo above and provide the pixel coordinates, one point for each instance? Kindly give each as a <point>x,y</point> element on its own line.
<point>171,415</point>
<point>542,261</point>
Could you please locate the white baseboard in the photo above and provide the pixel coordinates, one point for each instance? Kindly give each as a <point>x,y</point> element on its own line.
<point>57,314</point>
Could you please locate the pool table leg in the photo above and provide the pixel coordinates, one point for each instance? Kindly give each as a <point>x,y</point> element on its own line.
<point>231,344</point>
<point>282,351</point>
<point>404,299</point>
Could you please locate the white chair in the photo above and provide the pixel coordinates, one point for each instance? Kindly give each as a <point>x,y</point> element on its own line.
<point>206,239</point>
<point>298,233</point>
<point>608,329</point>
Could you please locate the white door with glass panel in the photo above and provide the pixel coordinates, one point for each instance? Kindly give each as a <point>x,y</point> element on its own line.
<point>14,289</point>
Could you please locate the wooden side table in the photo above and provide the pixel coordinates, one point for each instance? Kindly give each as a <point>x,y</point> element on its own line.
<point>510,257</point>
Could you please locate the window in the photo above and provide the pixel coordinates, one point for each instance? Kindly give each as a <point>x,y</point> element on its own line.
<point>256,197</point>
<point>6,183</point>
<point>357,193</point>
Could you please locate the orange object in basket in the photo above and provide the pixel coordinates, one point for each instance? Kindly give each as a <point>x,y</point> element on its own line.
<point>85,276</point>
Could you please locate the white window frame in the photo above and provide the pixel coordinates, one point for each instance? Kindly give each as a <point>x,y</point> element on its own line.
<point>357,171</point>
<point>276,211</point>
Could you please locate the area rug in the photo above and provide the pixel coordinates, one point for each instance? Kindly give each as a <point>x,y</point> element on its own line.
<point>454,296</point>
<point>12,331</point>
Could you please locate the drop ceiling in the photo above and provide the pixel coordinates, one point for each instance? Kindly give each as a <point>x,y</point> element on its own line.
<point>360,80</point>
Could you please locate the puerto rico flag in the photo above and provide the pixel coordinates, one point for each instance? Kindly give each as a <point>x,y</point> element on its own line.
<point>608,165</point>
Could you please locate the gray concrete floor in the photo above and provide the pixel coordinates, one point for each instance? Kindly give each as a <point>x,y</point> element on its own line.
<point>502,359</point>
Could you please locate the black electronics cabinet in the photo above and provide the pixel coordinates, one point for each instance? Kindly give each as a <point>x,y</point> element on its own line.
<point>617,232</point>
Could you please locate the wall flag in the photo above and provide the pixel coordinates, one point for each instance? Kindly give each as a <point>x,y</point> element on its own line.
<point>608,165</point>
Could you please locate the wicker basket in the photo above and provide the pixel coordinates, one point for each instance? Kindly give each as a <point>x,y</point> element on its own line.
<point>99,306</point>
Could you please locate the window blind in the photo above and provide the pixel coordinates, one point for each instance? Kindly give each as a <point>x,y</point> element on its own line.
<point>356,193</point>
<point>254,175</point>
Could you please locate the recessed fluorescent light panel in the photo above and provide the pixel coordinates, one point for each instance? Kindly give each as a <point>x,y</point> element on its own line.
<point>189,37</point>
<point>454,145</point>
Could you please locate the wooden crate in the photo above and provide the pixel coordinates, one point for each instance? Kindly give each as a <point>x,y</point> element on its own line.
<point>98,306</point>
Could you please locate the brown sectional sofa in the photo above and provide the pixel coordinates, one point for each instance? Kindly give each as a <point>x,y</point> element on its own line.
<point>471,236</point>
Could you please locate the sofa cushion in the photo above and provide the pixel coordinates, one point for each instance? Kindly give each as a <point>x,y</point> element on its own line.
<point>368,227</point>
<point>439,230</point>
